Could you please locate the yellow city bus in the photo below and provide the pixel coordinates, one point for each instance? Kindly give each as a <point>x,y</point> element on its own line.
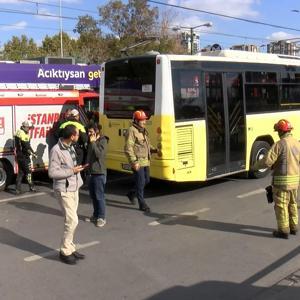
<point>210,115</point>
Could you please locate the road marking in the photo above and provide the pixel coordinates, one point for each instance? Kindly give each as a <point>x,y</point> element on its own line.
<point>23,197</point>
<point>174,217</point>
<point>255,192</point>
<point>54,252</point>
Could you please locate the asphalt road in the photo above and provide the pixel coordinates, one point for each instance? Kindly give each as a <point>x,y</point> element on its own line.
<point>201,241</point>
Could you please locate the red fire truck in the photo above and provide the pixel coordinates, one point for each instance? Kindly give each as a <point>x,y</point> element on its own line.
<point>43,105</point>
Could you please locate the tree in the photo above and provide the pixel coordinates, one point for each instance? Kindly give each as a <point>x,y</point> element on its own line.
<point>133,19</point>
<point>51,45</point>
<point>19,48</point>
<point>135,22</point>
<point>90,45</point>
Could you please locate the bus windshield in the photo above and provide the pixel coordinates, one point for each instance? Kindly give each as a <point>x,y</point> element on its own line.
<point>129,85</point>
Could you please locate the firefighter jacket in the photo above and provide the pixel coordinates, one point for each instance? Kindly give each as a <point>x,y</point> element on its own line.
<point>22,144</point>
<point>284,159</point>
<point>137,145</point>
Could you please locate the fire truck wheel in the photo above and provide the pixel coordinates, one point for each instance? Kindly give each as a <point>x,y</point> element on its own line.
<point>6,175</point>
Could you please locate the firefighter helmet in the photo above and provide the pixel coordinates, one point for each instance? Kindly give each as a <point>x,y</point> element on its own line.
<point>283,126</point>
<point>139,115</point>
<point>27,124</point>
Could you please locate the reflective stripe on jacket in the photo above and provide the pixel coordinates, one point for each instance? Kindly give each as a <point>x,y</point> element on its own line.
<point>284,159</point>
<point>78,125</point>
<point>22,143</point>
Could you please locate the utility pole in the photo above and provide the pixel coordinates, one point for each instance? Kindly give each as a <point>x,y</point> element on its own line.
<point>61,33</point>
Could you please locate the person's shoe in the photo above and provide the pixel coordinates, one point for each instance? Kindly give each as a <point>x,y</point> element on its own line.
<point>32,189</point>
<point>91,219</point>
<point>18,192</point>
<point>131,197</point>
<point>100,222</point>
<point>67,259</point>
<point>145,208</point>
<point>78,255</point>
<point>293,231</point>
<point>280,234</point>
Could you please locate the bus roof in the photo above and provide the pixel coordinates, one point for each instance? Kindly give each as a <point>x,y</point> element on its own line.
<point>240,56</point>
<point>229,56</point>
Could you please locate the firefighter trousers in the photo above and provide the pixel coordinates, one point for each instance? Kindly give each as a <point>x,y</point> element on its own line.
<point>24,165</point>
<point>286,209</point>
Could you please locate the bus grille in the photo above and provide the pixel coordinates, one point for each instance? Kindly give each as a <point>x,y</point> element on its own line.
<point>185,153</point>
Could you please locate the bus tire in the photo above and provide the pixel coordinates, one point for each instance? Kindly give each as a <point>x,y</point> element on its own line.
<point>259,149</point>
<point>6,175</point>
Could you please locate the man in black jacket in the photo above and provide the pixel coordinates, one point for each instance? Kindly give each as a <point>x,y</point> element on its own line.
<point>97,172</point>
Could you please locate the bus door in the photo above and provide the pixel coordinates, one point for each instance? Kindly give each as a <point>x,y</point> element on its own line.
<point>225,123</point>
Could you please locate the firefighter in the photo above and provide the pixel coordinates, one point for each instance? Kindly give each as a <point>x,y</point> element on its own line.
<point>56,127</point>
<point>284,159</point>
<point>24,151</point>
<point>81,145</point>
<point>138,150</point>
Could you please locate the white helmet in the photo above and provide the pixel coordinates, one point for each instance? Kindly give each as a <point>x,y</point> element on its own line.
<point>74,112</point>
<point>27,124</point>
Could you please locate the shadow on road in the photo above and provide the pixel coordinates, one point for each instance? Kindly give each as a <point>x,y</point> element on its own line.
<point>154,189</point>
<point>36,207</point>
<point>246,290</point>
<point>194,221</point>
<point>13,239</point>
<point>221,290</point>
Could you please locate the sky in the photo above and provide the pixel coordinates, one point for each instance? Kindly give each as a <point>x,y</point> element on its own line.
<point>17,18</point>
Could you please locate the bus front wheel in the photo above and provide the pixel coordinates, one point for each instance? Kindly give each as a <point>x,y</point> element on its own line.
<point>259,150</point>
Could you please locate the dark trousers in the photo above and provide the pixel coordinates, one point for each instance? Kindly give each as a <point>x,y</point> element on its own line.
<point>24,169</point>
<point>96,189</point>
<point>141,179</point>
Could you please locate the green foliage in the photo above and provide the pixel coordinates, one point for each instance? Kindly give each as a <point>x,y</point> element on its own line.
<point>90,45</point>
<point>133,19</point>
<point>51,45</point>
<point>19,48</point>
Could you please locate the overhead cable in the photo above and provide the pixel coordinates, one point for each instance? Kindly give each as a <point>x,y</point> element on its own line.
<point>225,16</point>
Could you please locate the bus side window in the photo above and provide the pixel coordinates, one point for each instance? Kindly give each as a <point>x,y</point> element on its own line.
<point>188,98</point>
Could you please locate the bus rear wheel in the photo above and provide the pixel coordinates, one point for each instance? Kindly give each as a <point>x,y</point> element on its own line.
<point>6,175</point>
<point>259,150</point>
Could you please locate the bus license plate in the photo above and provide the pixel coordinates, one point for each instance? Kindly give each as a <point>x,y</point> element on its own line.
<point>126,167</point>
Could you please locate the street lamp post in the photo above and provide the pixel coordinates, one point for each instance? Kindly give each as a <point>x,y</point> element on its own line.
<point>208,24</point>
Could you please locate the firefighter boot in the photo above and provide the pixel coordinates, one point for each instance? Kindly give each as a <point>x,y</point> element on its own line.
<point>19,184</point>
<point>32,188</point>
<point>280,234</point>
<point>31,185</point>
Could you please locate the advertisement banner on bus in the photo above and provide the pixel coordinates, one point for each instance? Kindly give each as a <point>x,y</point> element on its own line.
<point>50,74</point>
